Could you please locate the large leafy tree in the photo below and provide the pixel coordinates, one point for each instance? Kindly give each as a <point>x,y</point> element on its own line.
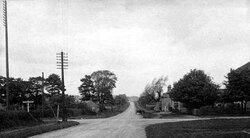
<point>153,91</point>
<point>54,84</point>
<point>195,89</point>
<point>237,87</point>
<point>104,83</point>
<point>87,89</point>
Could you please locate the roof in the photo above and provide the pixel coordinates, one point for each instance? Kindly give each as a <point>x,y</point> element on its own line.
<point>244,67</point>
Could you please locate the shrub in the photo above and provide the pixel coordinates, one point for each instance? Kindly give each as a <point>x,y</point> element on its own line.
<point>85,110</point>
<point>208,110</point>
<point>46,113</point>
<point>14,118</point>
<point>71,112</point>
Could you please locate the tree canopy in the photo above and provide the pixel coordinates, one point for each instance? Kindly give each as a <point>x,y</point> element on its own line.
<point>21,90</point>
<point>98,86</point>
<point>87,89</point>
<point>195,89</point>
<point>104,83</point>
<point>54,84</point>
<point>153,91</point>
<point>237,86</point>
<point>121,99</point>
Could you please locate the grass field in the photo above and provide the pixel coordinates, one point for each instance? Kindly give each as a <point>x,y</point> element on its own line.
<point>214,128</point>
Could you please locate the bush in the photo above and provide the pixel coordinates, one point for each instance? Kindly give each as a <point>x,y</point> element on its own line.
<point>14,118</point>
<point>208,110</point>
<point>46,113</point>
<point>85,110</point>
<point>71,112</point>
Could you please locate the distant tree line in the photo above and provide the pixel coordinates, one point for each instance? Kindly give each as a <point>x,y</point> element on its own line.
<point>22,90</point>
<point>196,89</point>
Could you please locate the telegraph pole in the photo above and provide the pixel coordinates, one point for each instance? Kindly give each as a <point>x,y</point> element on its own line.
<point>42,94</point>
<point>62,62</point>
<point>5,23</point>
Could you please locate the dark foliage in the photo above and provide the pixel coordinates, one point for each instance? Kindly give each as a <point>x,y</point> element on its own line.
<point>237,87</point>
<point>104,83</point>
<point>87,89</point>
<point>195,90</point>
<point>14,118</point>
<point>220,111</point>
<point>53,84</point>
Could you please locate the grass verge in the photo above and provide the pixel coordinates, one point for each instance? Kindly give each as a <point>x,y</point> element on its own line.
<point>214,128</point>
<point>31,131</point>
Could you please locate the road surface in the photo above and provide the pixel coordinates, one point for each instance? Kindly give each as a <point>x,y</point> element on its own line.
<point>125,125</point>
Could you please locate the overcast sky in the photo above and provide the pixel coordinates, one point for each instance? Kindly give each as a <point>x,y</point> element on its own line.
<point>136,39</point>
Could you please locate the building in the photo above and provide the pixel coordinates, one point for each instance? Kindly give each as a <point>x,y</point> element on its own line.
<point>166,102</point>
<point>244,67</point>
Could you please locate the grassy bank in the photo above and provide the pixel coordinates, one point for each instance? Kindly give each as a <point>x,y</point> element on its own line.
<point>214,128</point>
<point>35,130</point>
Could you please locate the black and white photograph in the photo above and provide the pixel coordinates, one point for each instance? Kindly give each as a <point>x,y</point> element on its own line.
<point>125,68</point>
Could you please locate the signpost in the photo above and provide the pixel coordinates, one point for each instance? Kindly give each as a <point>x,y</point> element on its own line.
<point>28,104</point>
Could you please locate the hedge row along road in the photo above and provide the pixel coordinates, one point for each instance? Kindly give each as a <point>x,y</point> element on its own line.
<point>125,125</point>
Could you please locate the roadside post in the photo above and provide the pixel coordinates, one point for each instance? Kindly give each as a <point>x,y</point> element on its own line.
<point>28,104</point>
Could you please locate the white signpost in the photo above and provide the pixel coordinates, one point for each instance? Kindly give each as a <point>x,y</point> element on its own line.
<point>28,104</point>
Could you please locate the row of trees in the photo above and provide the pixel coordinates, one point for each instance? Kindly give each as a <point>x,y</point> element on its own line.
<point>22,90</point>
<point>196,89</point>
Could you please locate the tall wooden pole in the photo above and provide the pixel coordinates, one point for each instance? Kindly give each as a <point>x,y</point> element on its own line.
<point>5,15</point>
<point>63,89</point>
<point>42,94</point>
<point>63,64</point>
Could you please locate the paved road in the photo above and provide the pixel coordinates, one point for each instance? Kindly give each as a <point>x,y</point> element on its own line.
<point>125,125</point>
